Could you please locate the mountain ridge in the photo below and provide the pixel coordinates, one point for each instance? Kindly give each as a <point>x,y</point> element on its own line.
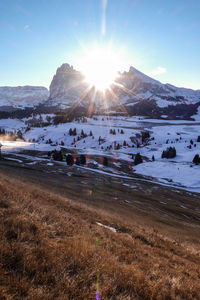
<point>137,92</point>
<point>132,85</point>
<point>20,97</point>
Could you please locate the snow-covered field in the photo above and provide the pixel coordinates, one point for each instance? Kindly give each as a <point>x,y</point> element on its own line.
<point>179,171</point>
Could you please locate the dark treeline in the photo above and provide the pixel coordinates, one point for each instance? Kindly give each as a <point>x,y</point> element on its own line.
<point>61,115</point>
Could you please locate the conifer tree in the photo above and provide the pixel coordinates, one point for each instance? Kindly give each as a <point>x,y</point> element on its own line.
<point>138,159</point>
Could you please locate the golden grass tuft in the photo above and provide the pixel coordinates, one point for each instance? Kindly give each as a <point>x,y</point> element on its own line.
<point>52,248</point>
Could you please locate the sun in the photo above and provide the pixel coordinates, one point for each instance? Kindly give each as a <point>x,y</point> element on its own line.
<point>100,66</point>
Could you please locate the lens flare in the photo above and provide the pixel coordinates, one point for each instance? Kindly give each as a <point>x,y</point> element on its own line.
<point>100,66</point>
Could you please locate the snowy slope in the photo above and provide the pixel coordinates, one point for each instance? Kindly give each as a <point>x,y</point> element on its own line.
<point>179,171</point>
<point>22,96</point>
<point>144,87</point>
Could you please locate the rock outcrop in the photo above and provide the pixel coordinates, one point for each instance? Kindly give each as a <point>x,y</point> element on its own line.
<point>135,91</point>
<point>67,87</point>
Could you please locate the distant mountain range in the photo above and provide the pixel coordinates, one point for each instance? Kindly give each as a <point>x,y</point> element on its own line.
<point>133,92</point>
<point>20,97</point>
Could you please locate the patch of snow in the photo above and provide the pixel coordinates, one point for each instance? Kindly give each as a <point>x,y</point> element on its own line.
<point>11,124</point>
<point>107,227</point>
<point>13,159</point>
<point>181,174</point>
<point>197,115</point>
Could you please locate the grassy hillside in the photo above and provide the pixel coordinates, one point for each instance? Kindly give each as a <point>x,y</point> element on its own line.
<point>52,248</point>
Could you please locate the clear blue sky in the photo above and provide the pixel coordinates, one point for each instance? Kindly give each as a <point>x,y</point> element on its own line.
<point>161,38</point>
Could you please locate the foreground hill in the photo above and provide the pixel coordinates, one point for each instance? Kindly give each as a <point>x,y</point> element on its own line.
<point>21,97</point>
<point>53,248</point>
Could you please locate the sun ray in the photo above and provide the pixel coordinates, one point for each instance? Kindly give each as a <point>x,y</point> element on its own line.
<point>117,100</point>
<point>100,66</point>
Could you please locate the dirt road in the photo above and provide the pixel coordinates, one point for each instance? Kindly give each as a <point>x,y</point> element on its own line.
<point>131,198</point>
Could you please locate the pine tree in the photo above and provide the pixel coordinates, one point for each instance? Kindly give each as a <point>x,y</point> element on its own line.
<point>82,159</point>
<point>138,159</point>
<point>82,133</point>
<point>74,132</point>
<point>69,160</point>
<point>105,161</point>
<point>77,161</point>
<point>19,134</point>
<point>169,152</point>
<point>196,159</point>
<point>153,158</point>
<point>57,155</point>
<point>118,146</point>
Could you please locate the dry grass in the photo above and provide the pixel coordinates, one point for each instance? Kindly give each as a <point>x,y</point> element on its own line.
<point>49,250</point>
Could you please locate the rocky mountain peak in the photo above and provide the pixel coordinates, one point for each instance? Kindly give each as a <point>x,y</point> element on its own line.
<point>67,86</point>
<point>64,68</point>
<point>131,89</point>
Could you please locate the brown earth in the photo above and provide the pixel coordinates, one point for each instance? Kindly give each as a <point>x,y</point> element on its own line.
<point>52,248</point>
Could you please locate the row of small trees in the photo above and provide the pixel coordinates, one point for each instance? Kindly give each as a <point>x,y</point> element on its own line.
<point>81,160</point>
<point>113,131</point>
<point>170,152</point>
<point>73,132</point>
<point>71,160</point>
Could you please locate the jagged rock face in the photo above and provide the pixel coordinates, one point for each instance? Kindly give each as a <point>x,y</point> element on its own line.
<point>138,86</point>
<point>67,87</point>
<point>133,90</point>
<point>22,96</point>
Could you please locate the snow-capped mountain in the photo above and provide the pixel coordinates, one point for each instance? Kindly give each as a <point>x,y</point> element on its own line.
<point>22,96</point>
<point>142,87</point>
<point>137,92</point>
